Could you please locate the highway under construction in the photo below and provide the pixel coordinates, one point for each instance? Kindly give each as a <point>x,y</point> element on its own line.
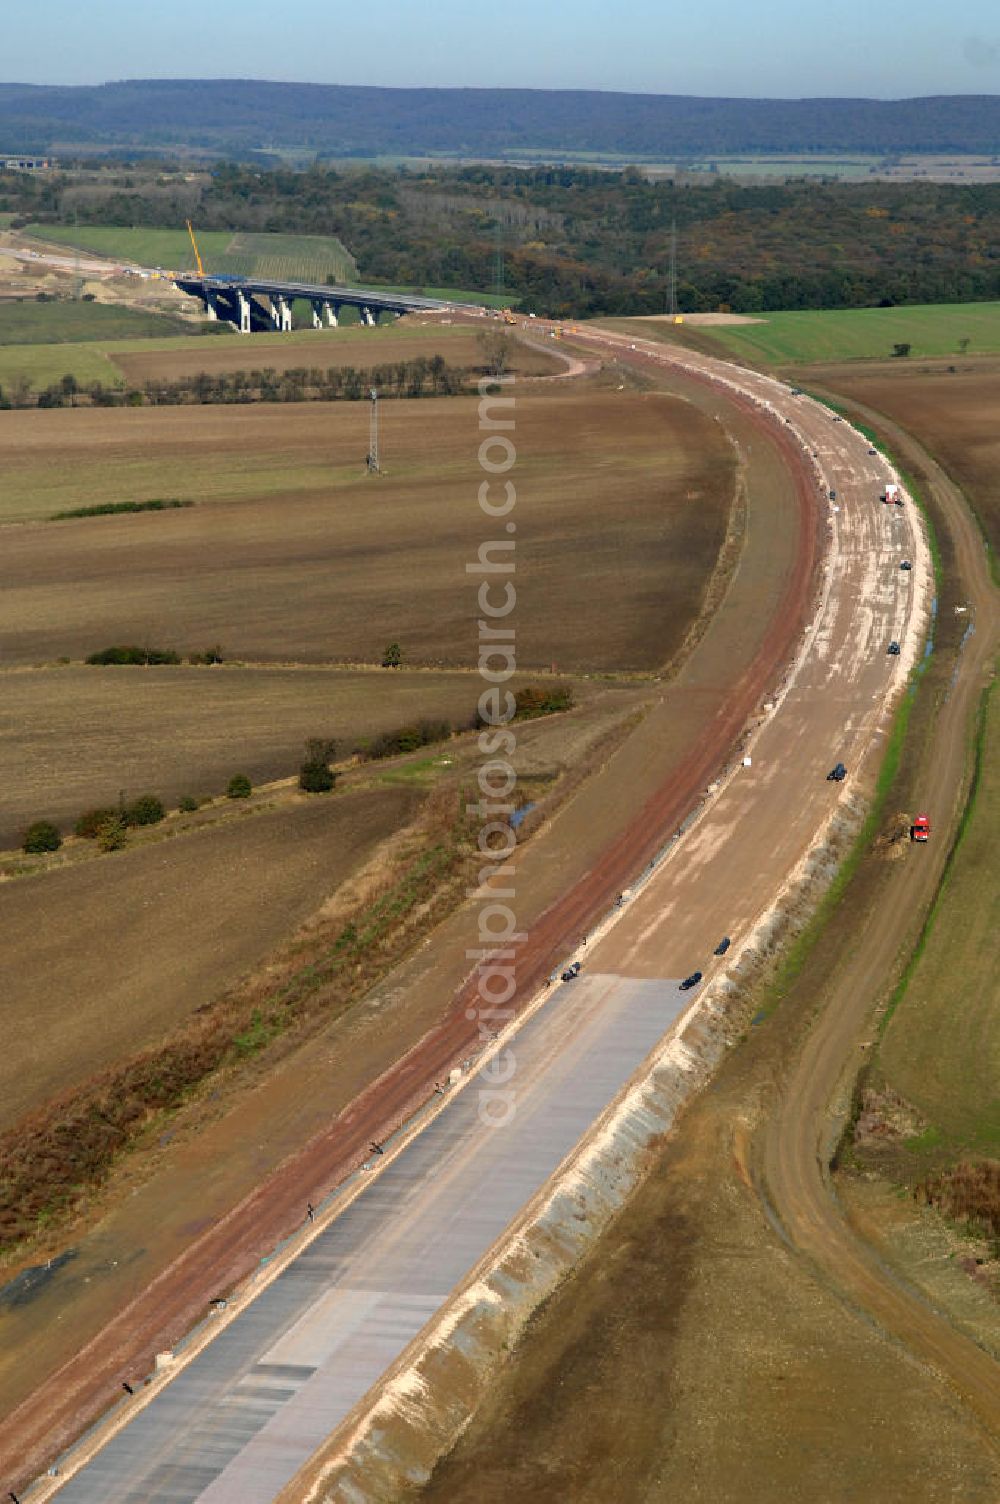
<point>367,1284</point>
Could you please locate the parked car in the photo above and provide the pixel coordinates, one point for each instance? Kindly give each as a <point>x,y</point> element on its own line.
<point>893,650</point>
<point>906,564</point>
<point>691,981</point>
<point>837,774</point>
<point>571,972</point>
<point>723,946</point>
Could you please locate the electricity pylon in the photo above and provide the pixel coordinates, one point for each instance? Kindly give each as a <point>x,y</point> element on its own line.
<point>373,463</point>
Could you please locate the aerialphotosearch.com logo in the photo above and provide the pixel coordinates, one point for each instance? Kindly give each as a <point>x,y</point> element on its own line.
<point>496,971</point>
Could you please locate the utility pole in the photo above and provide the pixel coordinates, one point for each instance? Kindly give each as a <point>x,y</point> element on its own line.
<point>672,272</point>
<point>77,270</point>
<point>373,464</point>
<point>498,266</point>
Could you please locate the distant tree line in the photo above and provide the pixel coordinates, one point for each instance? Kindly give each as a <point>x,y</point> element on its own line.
<point>581,242</point>
<point>423,376</point>
<point>343,120</point>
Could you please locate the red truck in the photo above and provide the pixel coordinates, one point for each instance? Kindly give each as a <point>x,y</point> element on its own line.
<point>920,830</point>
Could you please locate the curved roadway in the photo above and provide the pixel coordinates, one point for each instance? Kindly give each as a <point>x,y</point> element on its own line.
<point>720,879</point>
<point>735,678</point>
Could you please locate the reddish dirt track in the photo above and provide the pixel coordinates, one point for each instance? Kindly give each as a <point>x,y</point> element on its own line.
<point>91,1380</point>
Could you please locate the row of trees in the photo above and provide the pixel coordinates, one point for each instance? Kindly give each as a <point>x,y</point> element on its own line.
<point>423,376</point>
<point>109,825</point>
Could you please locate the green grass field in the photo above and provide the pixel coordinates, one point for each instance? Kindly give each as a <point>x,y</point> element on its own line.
<point>310,258</point>
<point>941,1049</point>
<point>286,258</point>
<point>41,365</point>
<point>862,333</point>
<point>31,323</point>
<point>149,247</point>
<point>791,166</point>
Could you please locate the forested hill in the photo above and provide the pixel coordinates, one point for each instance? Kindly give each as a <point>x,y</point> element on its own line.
<point>576,241</point>
<point>239,116</point>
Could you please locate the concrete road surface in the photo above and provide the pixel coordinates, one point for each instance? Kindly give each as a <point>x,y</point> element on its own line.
<point>235,1425</point>
<point>240,1420</point>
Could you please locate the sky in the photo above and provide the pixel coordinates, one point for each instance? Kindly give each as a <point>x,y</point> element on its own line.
<point>775,48</point>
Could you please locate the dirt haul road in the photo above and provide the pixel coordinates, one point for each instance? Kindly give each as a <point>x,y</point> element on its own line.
<point>868,601</point>
<point>794,1149</point>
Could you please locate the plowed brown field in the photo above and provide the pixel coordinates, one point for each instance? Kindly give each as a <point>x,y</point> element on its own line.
<point>107,957</point>
<point>75,737</point>
<point>293,553</point>
<point>321,349</point>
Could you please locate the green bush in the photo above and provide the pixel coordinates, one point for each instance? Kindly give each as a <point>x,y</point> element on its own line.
<point>393,656</point>
<point>41,836</point>
<point>315,775</point>
<point>538,699</point>
<point>210,655</point>
<point>113,508</point>
<point>316,778</point>
<point>239,787</point>
<point>129,654</point>
<point>90,822</point>
<point>187,804</point>
<point>404,739</point>
<point>112,834</point>
<point>146,810</point>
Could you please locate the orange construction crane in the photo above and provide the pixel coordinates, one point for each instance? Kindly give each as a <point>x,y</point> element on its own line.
<point>197,255</point>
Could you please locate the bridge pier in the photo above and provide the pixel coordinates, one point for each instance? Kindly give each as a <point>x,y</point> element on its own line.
<point>281,313</point>
<point>367,317</point>
<point>321,310</point>
<point>243,303</point>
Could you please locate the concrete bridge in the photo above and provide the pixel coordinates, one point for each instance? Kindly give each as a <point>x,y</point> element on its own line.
<point>252,304</point>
